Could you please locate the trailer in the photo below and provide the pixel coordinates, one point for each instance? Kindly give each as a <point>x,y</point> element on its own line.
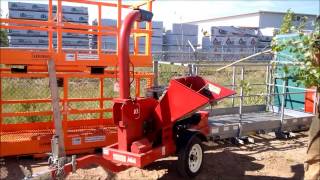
<point>236,122</point>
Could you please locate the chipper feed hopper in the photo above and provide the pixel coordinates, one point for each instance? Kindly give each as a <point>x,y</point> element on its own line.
<point>150,128</point>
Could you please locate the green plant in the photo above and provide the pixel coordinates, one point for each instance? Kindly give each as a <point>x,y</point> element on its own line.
<point>287,22</point>
<point>304,48</point>
<point>3,38</point>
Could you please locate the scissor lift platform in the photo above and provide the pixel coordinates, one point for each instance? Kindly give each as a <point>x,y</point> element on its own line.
<point>79,139</point>
<point>226,123</point>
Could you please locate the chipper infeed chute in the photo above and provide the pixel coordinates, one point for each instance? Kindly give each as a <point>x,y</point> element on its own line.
<point>187,95</point>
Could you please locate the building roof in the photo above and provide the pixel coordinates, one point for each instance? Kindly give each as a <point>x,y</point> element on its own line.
<point>245,15</point>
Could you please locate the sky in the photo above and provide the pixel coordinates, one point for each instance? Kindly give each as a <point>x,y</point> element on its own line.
<point>177,11</point>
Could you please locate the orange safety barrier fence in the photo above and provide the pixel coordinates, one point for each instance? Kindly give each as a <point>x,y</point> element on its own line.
<point>26,125</point>
<point>73,58</point>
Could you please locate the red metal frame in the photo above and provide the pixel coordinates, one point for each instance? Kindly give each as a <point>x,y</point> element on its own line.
<point>136,145</point>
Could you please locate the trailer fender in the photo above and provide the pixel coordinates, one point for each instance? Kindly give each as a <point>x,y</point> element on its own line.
<point>185,137</point>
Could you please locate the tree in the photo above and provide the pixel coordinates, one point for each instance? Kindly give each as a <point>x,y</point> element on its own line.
<point>3,35</point>
<point>287,22</point>
<point>3,38</point>
<point>306,71</point>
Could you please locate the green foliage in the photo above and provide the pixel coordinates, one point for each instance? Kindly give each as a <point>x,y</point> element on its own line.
<point>305,69</point>
<point>3,38</point>
<point>287,22</point>
<point>249,90</point>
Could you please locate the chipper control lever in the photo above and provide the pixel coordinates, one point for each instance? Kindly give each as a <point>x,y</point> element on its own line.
<point>124,59</point>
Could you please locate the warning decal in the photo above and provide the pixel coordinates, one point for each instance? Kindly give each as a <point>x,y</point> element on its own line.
<point>94,138</point>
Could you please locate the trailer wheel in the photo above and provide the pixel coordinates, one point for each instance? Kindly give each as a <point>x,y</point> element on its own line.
<point>190,158</point>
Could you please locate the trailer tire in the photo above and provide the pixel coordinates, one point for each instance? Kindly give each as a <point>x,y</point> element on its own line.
<point>190,158</point>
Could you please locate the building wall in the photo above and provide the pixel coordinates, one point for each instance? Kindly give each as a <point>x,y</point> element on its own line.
<point>275,20</point>
<point>248,21</point>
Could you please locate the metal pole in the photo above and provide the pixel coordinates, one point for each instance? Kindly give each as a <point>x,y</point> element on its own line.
<point>222,51</point>
<point>56,109</point>
<point>283,99</point>
<point>233,82</point>
<point>267,86</point>
<point>270,88</point>
<point>241,94</point>
<point>315,101</point>
<point>190,67</point>
<point>156,73</point>
<point>194,70</point>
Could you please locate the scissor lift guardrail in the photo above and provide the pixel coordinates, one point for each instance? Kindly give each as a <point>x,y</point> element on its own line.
<point>26,125</point>
<point>77,59</point>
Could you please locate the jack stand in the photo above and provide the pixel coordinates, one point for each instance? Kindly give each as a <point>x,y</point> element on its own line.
<point>248,140</point>
<point>242,140</point>
<point>284,135</point>
<point>55,160</point>
<point>74,163</point>
<point>237,141</point>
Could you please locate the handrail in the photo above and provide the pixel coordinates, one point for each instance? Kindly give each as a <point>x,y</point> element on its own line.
<point>56,24</point>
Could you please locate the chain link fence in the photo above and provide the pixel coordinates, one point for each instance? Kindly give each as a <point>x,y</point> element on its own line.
<point>28,99</point>
<point>219,56</point>
<point>253,82</point>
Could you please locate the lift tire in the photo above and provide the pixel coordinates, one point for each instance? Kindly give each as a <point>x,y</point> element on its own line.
<point>190,158</point>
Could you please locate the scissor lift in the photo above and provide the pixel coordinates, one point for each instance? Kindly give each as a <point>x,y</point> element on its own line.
<point>74,67</point>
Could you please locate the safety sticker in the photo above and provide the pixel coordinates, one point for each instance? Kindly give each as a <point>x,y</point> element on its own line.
<point>76,141</point>
<point>105,151</point>
<point>214,89</point>
<point>119,157</point>
<point>70,57</point>
<point>214,130</point>
<point>132,160</point>
<point>94,138</point>
<point>87,57</point>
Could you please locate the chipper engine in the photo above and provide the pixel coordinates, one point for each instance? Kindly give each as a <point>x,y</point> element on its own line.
<point>150,128</point>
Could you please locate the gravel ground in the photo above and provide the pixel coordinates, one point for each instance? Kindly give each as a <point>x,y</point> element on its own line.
<point>267,158</point>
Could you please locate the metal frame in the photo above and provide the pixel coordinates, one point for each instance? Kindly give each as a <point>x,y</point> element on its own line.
<point>233,122</point>
<point>76,59</point>
<point>38,134</point>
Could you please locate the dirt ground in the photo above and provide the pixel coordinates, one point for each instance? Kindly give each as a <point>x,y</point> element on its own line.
<point>268,158</point>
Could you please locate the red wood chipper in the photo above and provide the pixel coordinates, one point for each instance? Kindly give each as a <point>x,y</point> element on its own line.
<point>149,128</point>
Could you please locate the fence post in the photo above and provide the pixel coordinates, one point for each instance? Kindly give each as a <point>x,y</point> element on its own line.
<point>233,82</point>
<point>190,69</point>
<point>194,69</point>
<point>241,94</point>
<point>283,100</point>
<point>222,53</point>
<point>315,99</point>
<point>156,73</point>
<point>267,86</point>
